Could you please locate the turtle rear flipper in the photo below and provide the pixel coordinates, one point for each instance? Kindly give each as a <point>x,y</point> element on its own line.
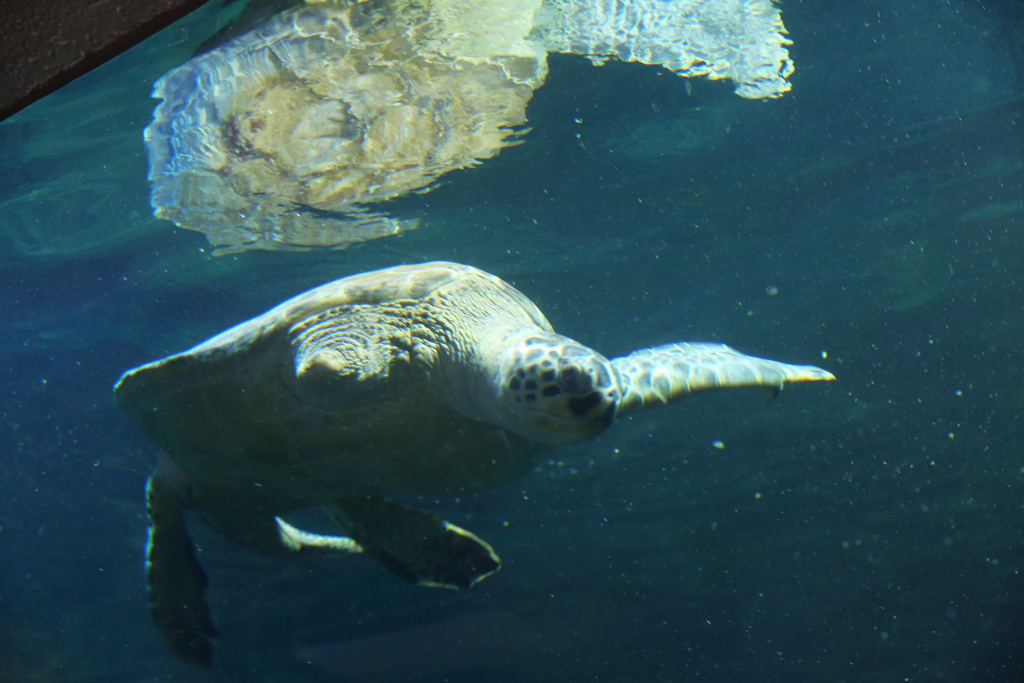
<point>176,580</point>
<point>415,545</point>
<point>275,537</point>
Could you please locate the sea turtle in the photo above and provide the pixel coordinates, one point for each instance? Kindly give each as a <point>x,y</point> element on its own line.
<point>434,379</point>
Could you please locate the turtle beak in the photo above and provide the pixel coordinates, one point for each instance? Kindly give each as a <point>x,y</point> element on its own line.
<point>594,402</point>
<point>596,409</point>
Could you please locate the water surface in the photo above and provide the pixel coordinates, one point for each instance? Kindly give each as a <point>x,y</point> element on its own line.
<point>869,221</point>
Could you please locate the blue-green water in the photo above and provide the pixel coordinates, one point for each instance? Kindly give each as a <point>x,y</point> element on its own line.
<point>866,530</point>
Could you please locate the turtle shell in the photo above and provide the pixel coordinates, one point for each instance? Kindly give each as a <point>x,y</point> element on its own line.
<point>229,414</point>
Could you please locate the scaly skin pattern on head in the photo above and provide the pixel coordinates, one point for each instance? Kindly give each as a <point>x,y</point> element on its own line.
<point>553,389</point>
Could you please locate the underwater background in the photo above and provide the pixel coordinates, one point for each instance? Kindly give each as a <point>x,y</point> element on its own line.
<point>871,221</point>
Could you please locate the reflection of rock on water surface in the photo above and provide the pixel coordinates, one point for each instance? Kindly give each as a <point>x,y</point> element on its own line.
<point>281,137</point>
<point>322,109</point>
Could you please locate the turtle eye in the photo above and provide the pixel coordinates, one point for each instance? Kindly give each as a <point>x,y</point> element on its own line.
<point>572,380</point>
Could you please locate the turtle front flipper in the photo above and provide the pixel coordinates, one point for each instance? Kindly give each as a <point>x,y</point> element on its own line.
<point>176,580</point>
<point>415,545</point>
<point>662,374</point>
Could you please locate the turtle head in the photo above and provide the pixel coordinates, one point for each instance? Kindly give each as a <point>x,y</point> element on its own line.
<point>554,390</point>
